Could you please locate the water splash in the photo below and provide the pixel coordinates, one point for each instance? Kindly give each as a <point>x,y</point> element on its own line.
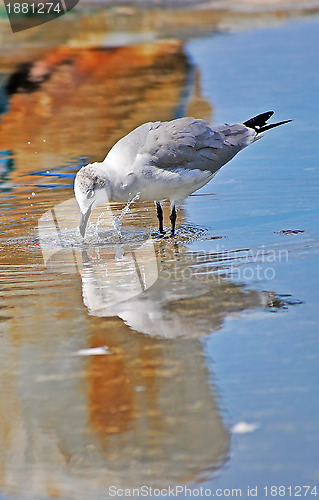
<point>98,222</point>
<point>117,221</point>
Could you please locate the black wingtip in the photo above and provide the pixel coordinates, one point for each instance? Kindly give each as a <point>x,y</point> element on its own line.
<point>259,122</point>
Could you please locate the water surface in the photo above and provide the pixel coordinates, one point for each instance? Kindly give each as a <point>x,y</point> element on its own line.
<point>128,360</point>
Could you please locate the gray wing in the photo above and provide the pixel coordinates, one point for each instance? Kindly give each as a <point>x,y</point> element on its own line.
<point>191,143</point>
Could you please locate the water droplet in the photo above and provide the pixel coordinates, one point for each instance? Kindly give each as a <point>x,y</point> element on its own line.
<point>29,142</point>
<point>33,193</point>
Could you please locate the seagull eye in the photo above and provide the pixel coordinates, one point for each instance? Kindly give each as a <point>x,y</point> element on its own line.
<point>90,194</point>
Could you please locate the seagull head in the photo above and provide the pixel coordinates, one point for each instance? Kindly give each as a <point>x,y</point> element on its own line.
<point>90,191</point>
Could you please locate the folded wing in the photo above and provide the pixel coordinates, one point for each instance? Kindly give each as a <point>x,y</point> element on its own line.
<point>193,144</point>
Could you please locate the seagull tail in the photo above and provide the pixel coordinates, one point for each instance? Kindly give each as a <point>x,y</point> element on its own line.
<point>259,122</point>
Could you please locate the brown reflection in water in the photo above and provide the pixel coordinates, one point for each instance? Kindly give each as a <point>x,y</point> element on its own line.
<point>111,393</point>
<point>197,105</point>
<point>175,432</point>
<point>80,101</point>
<point>143,414</point>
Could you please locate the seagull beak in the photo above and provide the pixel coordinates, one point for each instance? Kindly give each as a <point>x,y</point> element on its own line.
<point>84,220</point>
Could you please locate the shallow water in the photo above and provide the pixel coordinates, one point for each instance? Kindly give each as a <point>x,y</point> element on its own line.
<point>130,360</point>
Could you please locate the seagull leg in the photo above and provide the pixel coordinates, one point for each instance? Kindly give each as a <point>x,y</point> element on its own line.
<point>173,220</point>
<point>160,217</point>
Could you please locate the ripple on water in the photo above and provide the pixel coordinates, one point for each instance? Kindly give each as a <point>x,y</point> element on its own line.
<point>187,233</point>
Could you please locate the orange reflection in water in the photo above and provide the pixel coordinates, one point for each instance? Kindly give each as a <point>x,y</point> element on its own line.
<point>83,100</point>
<point>111,401</point>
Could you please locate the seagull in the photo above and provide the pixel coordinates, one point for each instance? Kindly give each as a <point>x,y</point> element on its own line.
<point>160,161</point>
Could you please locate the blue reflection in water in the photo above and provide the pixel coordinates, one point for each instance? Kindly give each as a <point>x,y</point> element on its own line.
<point>267,365</point>
<point>6,166</point>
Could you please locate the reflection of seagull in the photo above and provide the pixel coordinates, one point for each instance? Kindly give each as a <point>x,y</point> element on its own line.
<point>186,299</point>
<point>161,161</point>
